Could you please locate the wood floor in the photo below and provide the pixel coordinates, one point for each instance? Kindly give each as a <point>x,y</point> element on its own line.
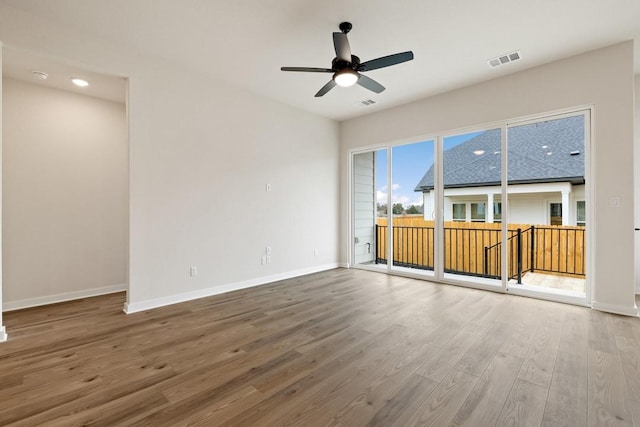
<point>340,348</point>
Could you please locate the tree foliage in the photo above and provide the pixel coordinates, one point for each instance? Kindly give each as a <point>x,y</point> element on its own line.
<point>413,210</point>
<point>398,209</point>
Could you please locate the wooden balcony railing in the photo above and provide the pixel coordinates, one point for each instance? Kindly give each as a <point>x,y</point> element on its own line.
<point>475,248</point>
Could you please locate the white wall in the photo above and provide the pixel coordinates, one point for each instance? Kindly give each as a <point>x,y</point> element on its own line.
<point>201,156</point>
<point>65,192</point>
<point>603,78</point>
<point>201,153</point>
<point>636,157</point>
<point>3,333</point>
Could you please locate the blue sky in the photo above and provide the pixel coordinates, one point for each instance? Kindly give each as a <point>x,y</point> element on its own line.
<point>410,162</point>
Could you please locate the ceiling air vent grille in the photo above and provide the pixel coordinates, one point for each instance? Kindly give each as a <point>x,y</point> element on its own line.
<point>367,102</point>
<point>504,59</point>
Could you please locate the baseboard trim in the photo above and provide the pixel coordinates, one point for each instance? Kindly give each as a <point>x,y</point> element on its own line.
<point>616,309</point>
<point>136,307</point>
<point>3,334</point>
<point>68,296</point>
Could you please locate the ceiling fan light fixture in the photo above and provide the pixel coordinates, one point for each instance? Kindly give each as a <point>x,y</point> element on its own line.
<point>345,78</point>
<point>347,68</point>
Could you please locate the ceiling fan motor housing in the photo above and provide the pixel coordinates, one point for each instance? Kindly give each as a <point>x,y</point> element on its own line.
<point>338,64</point>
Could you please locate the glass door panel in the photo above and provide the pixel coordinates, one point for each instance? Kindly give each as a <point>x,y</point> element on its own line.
<point>412,196</point>
<point>547,215</point>
<point>472,211</point>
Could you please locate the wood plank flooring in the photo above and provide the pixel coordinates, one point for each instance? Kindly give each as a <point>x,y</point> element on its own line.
<point>338,348</point>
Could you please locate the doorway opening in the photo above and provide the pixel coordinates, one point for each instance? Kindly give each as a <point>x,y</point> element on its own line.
<point>65,182</point>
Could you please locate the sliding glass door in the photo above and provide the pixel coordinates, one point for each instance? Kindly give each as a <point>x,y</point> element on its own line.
<point>547,205</point>
<point>393,218</point>
<point>504,207</point>
<point>472,215</point>
<point>412,208</point>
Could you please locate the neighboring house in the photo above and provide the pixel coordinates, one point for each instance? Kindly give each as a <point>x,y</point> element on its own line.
<point>545,176</point>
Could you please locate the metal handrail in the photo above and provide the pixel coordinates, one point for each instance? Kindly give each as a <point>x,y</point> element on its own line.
<point>556,242</point>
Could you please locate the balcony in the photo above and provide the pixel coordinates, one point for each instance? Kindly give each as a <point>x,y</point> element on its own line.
<point>540,255</point>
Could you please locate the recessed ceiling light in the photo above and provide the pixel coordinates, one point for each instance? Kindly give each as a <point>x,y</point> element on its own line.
<point>40,75</point>
<point>79,82</point>
<point>478,152</point>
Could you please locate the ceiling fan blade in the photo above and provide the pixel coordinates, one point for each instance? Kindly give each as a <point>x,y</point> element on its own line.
<point>341,44</point>
<point>307,69</point>
<point>369,83</point>
<point>326,88</point>
<point>386,61</point>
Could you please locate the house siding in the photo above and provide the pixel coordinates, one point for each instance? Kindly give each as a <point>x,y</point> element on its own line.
<point>364,207</point>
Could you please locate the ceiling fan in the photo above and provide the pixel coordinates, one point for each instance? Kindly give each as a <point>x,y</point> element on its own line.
<point>347,69</point>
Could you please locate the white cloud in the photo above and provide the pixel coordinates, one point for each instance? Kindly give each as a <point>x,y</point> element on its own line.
<point>418,199</point>
<point>381,198</point>
<point>384,189</point>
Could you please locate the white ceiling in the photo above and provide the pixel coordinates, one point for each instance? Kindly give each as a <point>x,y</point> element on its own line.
<point>20,64</point>
<point>246,42</point>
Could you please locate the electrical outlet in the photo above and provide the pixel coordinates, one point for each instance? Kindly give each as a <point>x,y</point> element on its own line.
<point>268,257</point>
<point>193,271</point>
<point>263,260</point>
<point>614,202</point>
<point>267,250</point>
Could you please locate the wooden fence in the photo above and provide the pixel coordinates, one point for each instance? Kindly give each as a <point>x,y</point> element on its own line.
<point>474,248</point>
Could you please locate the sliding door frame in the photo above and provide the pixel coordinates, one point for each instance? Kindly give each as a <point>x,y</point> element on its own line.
<point>587,111</point>
<point>389,266</point>
<point>496,285</point>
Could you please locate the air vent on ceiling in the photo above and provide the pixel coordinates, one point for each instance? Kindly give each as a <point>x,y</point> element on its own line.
<point>504,59</point>
<point>367,102</point>
<point>40,75</point>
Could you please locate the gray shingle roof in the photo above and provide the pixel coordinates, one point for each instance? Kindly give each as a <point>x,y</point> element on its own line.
<point>529,160</point>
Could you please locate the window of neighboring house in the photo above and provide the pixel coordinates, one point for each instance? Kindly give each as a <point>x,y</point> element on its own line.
<point>555,213</point>
<point>497,212</point>
<point>478,212</point>
<point>459,212</point>
<point>581,213</point>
